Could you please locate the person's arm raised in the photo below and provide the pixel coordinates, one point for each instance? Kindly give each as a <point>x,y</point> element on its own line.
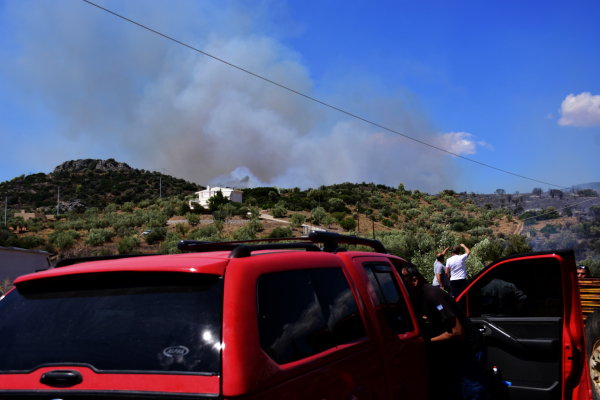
<point>467,251</point>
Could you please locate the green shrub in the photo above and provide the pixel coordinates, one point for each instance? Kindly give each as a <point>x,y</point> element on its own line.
<point>155,235</point>
<point>296,220</point>
<point>128,207</point>
<point>49,248</point>
<point>242,212</point>
<point>336,205</point>
<point>97,237</point>
<point>215,201</point>
<point>254,212</point>
<point>105,251</point>
<point>339,215</point>
<point>144,203</point>
<point>124,231</point>
<point>182,229</point>
<point>208,233</point>
<point>111,208</point>
<point>388,222</point>
<point>169,246</point>
<point>30,242</point>
<point>279,211</point>
<point>281,232</point>
<point>244,233</point>
<point>549,229</point>
<point>183,208</point>
<point>64,240</point>
<point>318,213</point>
<point>193,219</point>
<point>348,224</point>
<point>127,244</point>
<point>329,220</point>
<point>256,225</point>
<point>412,213</point>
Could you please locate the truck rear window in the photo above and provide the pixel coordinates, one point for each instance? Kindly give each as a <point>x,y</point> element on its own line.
<point>140,321</point>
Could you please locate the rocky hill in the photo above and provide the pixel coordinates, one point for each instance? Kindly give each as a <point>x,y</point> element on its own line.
<point>90,183</point>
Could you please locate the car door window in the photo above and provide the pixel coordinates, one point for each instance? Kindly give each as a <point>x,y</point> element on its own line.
<point>389,295</point>
<point>339,306</point>
<point>304,312</point>
<point>527,288</point>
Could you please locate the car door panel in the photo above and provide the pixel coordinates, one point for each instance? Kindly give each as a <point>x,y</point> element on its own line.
<point>527,308</point>
<point>404,348</point>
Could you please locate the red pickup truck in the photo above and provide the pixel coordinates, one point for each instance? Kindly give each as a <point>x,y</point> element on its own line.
<point>279,320</point>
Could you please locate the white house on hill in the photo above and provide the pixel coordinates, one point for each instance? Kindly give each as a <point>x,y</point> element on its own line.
<point>203,195</point>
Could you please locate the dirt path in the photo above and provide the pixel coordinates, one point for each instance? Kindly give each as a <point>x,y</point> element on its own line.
<point>520,226</point>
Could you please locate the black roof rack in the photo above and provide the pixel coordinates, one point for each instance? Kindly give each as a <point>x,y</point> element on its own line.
<point>244,248</point>
<point>77,260</point>
<point>331,241</point>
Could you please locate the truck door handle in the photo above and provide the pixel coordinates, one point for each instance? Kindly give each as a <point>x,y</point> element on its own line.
<point>61,378</point>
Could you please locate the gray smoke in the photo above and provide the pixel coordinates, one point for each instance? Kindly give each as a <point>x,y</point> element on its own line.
<point>116,90</point>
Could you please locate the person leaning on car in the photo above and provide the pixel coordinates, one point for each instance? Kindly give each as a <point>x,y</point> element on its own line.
<point>456,352</point>
<point>457,270</point>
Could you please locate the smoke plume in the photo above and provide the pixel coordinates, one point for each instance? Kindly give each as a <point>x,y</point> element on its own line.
<point>116,90</point>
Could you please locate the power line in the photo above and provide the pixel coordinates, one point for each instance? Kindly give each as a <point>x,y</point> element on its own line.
<point>321,102</point>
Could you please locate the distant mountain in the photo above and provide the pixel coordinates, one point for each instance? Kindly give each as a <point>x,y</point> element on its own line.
<point>591,185</point>
<point>94,183</point>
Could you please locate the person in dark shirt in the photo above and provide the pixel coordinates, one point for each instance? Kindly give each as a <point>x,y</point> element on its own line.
<point>501,299</point>
<point>455,349</point>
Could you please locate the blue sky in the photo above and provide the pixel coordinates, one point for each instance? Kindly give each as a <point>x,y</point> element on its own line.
<point>488,80</point>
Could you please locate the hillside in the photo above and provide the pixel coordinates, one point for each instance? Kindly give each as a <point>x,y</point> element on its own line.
<point>90,183</point>
<point>591,185</point>
<point>410,223</point>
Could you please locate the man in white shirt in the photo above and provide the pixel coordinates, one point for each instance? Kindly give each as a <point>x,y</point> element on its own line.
<point>440,278</point>
<point>457,270</point>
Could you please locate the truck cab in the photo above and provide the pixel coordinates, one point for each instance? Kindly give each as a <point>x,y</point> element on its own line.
<point>301,319</point>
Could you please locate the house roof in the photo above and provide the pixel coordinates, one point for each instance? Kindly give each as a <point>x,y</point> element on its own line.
<point>222,189</point>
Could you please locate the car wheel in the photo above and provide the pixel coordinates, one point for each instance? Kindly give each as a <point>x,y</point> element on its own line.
<point>592,343</point>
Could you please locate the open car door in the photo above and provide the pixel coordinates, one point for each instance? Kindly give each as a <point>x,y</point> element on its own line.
<point>527,306</point>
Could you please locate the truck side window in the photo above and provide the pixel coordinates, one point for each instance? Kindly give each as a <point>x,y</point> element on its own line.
<point>389,295</point>
<point>525,288</point>
<point>340,310</point>
<point>305,312</point>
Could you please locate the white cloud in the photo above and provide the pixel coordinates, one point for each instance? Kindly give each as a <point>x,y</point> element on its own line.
<point>456,142</point>
<point>488,146</point>
<point>580,110</point>
<point>461,143</point>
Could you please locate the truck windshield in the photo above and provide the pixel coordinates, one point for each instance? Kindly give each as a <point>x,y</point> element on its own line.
<point>125,321</point>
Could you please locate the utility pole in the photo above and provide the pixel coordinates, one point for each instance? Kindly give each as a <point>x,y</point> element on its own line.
<point>373,228</point>
<point>5,205</point>
<point>358,215</point>
<point>160,193</point>
<point>58,202</point>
